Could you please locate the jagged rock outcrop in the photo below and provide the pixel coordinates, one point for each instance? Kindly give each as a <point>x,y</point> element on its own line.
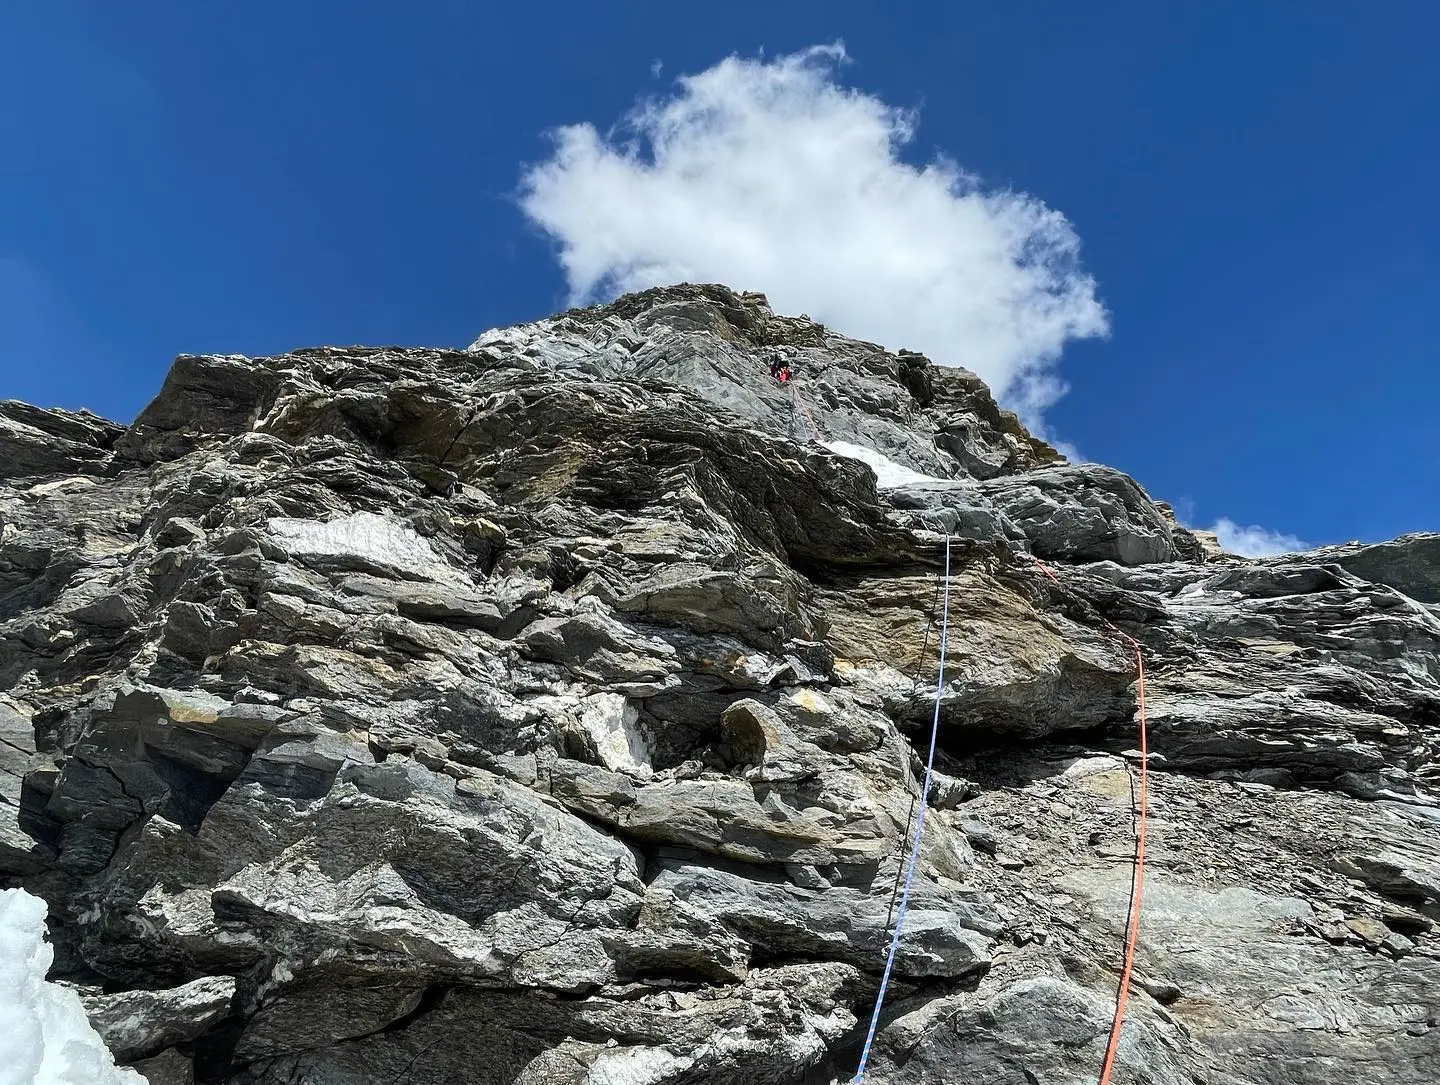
<point>544,713</point>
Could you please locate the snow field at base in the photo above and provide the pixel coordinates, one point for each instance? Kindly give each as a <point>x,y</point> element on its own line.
<point>45,1037</point>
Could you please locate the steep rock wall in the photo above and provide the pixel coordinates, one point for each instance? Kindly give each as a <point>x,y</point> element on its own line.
<point>542,714</point>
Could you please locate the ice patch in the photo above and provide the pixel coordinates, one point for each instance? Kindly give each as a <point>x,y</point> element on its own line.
<point>363,541</point>
<point>888,473</point>
<point>45,1038</point>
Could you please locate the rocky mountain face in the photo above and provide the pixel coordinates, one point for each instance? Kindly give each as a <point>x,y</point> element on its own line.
<point>546,713</point>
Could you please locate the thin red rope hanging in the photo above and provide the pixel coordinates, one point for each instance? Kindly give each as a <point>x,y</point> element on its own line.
<point>1132,931</point>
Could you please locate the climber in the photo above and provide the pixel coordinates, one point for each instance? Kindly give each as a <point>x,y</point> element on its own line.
<point>783,376</point>
<point>777,363</point>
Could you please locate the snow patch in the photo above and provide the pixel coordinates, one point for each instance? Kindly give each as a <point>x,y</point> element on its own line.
<point>46,1038</point>
<point>365,541</point>
<point>888,473</point>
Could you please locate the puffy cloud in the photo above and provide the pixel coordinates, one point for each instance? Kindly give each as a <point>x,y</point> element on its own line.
<point>770,175</point>
<point>1255,542</point>
<point>1066,448</point>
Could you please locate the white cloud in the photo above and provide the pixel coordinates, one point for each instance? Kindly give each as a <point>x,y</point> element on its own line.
<point>1067,449</point>
<point>1255,542</point>
<point>771,175</point>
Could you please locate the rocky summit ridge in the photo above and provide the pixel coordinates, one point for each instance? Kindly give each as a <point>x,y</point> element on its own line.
<point>546,712</point>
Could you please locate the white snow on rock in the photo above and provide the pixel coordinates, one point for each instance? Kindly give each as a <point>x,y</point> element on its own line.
<point>45,1037</point>
<point>887,472</point>
<point>363,540</point>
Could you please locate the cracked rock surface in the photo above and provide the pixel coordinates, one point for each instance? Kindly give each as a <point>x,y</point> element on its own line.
<point>551,712</point>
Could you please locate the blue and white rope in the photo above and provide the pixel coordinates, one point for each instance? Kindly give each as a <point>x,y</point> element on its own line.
<point>919,832</point>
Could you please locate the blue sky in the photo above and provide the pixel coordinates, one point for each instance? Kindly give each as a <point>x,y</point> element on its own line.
<point>1251,186</point>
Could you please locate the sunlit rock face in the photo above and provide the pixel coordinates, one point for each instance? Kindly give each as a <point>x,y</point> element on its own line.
<point>546,713</point>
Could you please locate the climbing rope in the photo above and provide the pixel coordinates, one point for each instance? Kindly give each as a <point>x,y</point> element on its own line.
<point>1137,884</point>
<point>1132,928</point>
<point>914,677</point>
<point>914,860</point>
<point>899,868</point>
<point>796,397</point>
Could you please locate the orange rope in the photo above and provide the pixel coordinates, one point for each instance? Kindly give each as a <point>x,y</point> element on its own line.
<point>800,399</point>
<point>1132,933</point>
